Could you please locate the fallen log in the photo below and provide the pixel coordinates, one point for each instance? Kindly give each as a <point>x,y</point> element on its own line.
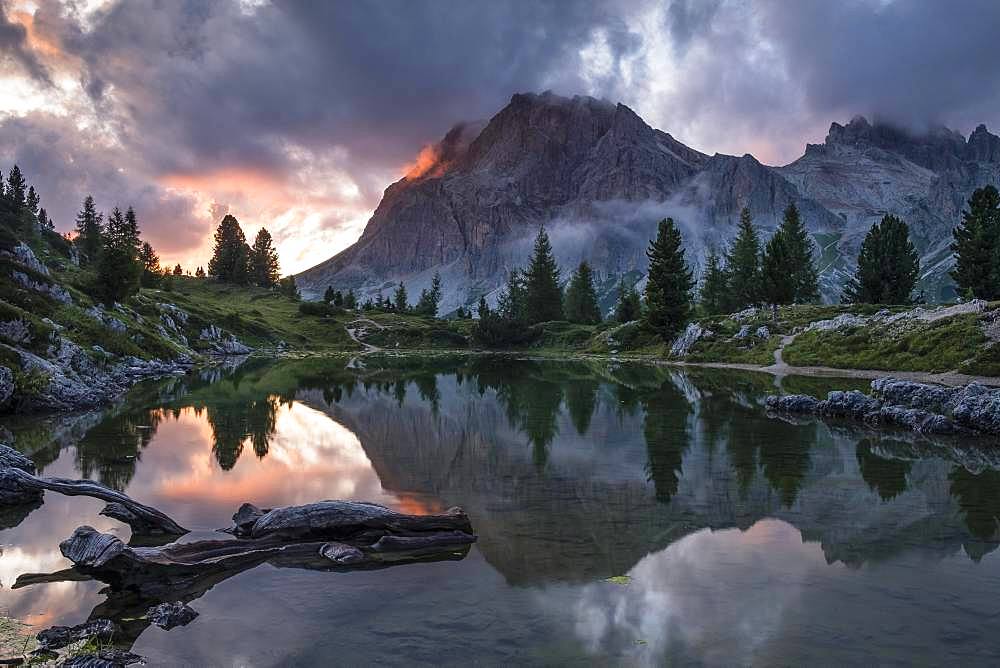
<point>18,486</point>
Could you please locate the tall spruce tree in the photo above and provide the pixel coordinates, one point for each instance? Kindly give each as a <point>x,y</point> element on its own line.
<point>511,302</point>
<point>44,221</point>
<point>130,230</point>
<point>888,266</point>
<point>118,267</point>
<point>629,306</point>
<point>350,300</point>
<point>399,298</point>
<point>429,300</point>
<point>17,188</point>
<point>328,294</point>
<point>801,268</point>
<point>264,269</point>
<point>89,231</point>
<point>977,246</point>
<point>543,296</point>
<point>777,283</point>
<point>31,200</point>
<point>152,273</point>
<point>231,258</point>
<point>669,284</point>
<point>581,297</point>
<point>714,295</point>
<point>743,265</point>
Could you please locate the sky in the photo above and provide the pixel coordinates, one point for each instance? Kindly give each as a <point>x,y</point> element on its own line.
<point>296,115</point>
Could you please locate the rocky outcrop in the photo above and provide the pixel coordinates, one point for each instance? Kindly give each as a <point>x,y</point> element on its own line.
<point>221,343</point>
<point>690,336</point>
<point>600,177</point>
<point>972,409</point>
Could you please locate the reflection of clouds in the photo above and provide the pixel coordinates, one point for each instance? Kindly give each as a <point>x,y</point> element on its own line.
<point>715,596</point>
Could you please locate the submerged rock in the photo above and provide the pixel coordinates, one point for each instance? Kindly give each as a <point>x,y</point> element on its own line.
<point>169,615</point>
<point>103,658</point>
<point>58,637</point>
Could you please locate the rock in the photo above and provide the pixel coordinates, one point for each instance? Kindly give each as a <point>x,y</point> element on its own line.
<point>23,255</point>
<point>763,332</point>
<point>744,333</point>
<point>15,331</point>
<point>844,321</point>
<point>11,458</point>
<point>170,615</point>
<point>6,385</point>
<point>691,335</point>
<point>746,314</point>
<point>53,290</point>
<point>112,657</point>
<point>58,637</point>
<point>222,344</point>
<point>115,325</point>
<point>341,553</point>
<point>792,403</point>
<point>853,404</point>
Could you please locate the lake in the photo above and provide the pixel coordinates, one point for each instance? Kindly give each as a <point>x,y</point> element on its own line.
<point>742,538</point>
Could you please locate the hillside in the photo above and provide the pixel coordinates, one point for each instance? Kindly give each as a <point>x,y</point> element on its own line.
<point>599,177</point>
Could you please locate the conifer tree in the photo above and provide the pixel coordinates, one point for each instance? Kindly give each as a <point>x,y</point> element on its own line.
<point>152,273</point>
<point>399,298</point>
<point>89,230</point>
<point>743,264</point>
<point>264,270</point>
<point>338,299</point>
<point>888,266</point>
<point>429,300</point>
<point>777,282</point>
<point>16,188</point>
<point>800,267</point>
<point>581,297</point>
<point>130,231</point>
<point>118,267</point>
<point>230,260</point>
<point>199,272</point>
<point>350,300</point>
<point>483,309</point>
<point>977,246</point>
<point>543,296</point>
<point>511,302</point>
<point>287,287</point>
<point>31,201</point>
<point>714,287</point>
<point>328,294</point>
<point>629,307</point>
<point>44,221</point>
<point>668,288</point>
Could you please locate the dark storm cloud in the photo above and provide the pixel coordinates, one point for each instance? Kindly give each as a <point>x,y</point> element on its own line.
<point>14,47</point>
<point>914,61</point>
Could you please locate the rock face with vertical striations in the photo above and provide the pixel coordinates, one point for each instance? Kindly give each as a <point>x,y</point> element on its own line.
<point>599,178</point>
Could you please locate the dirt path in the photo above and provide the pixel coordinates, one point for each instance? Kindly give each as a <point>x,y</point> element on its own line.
<point>352,332</point>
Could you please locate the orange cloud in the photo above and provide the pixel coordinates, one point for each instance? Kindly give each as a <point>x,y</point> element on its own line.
<point>428,164</point>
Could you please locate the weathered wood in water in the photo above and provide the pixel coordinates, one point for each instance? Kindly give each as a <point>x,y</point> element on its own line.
<point>17,483</point>
<point>335,520</point>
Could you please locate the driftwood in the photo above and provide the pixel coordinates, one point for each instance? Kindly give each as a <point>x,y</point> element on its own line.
<point>20,486</point>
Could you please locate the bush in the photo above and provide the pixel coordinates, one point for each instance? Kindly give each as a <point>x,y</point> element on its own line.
<point>497,332</point>
<point>319,309</point>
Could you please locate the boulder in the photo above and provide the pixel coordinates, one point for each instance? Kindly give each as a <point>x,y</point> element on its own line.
<point>691,335</point>
<point>763,332</point>
<point>170,615</point>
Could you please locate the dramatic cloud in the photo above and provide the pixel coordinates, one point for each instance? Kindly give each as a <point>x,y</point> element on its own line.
<point>296,115</point>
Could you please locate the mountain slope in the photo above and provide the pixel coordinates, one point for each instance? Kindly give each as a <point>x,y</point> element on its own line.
<point>599,178</point>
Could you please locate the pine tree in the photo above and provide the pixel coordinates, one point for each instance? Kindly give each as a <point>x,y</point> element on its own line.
<point>178,271</point>
<point>777,282</point>
<point>152,273</point>
<point>977,245</point>
<point>399,298</point>
<point>263,262</point>
<point>714,294</point>
<point>427,304</point>
<point>483,309</point>
<point>89,231</point>
<point>743,265</point>
<point>287,287</point>
<point>130,231</point>
<point>581,297</point>
<point>328,294</point>
<point>350,300</point>
<point>338,299</point>
<point>16,188</point>
<point>668,289</point>
<point>543,297</point>
<point>199,272</point>
<point>230,261</point>
<point>801,264</point>
<point>118,267</point>
<point>888,265</point>
<point>511,302</point>
<point>44,221</point>
<point>629,307</point>
<point>31,201</point>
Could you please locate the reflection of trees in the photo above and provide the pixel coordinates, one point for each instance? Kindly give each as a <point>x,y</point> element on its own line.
<point>666,430</point>
<point>234,422</point>
<point>979,498</point>
<point>785,460</point>
<point>885,476</point>
<point>110,450</point>
<point>581,400</point>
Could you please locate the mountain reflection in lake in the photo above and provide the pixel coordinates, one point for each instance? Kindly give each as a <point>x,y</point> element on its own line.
<point>747,539</point>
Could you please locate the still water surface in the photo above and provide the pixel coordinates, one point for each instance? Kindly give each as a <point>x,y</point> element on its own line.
<point>747,539</point>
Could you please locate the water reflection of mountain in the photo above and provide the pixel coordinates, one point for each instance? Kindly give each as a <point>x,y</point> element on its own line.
<point>576,471</point>
<point>560,492</point>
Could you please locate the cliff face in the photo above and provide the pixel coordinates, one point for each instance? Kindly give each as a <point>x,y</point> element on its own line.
<point>599,177</point>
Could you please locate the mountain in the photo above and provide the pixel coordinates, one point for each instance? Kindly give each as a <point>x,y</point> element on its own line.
<point>599,178</point>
